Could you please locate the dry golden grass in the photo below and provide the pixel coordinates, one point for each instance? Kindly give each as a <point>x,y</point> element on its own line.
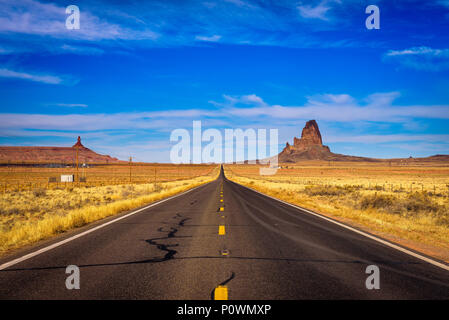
<point>29,216</point>
<point>406,204</point>
<point>23,178</point>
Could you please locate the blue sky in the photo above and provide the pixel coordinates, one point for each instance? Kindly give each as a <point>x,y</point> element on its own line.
<point>137,70</point>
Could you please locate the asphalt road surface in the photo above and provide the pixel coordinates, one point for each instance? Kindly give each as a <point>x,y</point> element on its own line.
<point>266,250</point>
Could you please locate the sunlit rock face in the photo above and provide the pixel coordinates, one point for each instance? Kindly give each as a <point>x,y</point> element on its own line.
<point>53,154</point>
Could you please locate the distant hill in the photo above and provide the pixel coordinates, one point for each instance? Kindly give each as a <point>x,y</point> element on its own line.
<point>310,147</point>
<point>53,154</point>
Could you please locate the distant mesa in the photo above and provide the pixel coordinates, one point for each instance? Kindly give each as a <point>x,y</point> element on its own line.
<point>53,154</point>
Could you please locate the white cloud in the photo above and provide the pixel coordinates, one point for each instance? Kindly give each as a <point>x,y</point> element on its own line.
<point>170,23</point>
<point>338,108</point>
<point>419,51</point>
<point>72,105</point>
<point>49,79</point>
<point>420,58</point>
<point>387,138</point>
<point>47,19</point>
<point>246,111</point>
<point>214,38</point>
<point>317,12</point>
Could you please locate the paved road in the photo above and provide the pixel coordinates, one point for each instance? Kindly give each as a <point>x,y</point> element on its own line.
<point>174,251</point>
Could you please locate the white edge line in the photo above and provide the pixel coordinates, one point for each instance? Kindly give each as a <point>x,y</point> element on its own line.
<point>60,243</point>
<point>387,243</point>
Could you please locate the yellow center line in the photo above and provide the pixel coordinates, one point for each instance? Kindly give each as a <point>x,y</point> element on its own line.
<point>221,293</point>
<point>221,230</point>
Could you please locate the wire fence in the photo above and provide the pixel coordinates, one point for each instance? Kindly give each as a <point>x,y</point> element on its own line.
<point>438,189</point>
<point>33,179</point>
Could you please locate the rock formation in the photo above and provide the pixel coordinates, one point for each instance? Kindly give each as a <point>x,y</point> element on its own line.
<point>78,143</point>
<point>310,147</point>
<point>66,155</point>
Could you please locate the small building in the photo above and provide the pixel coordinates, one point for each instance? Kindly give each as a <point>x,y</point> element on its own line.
<point>67,177</point>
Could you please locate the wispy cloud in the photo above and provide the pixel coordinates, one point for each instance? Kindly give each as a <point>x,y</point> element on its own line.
<point>168,23</point>
<point>239,3</point>
<point>419,51</point>
<point>421,58</point>
<point>72,105</point>
<point>387,138</point>
<point>237,110</point>
<point>49,79</point>
<point>214,38</point>
<point>335,107</point>
<point>315,12</point>
<point>343,111</point>
<point>85,50</point>
<point>47,19</point>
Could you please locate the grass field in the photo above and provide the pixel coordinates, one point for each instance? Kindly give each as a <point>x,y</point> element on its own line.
<point>23,178</point>
<point>32,209</point>
<point>408,204</point>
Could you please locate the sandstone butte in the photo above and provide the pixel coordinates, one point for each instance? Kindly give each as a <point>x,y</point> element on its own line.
<point>310,147</point>
<point>53,155</point>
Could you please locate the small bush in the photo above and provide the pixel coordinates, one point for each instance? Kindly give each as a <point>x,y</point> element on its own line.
<point>420,201</point>
<point>40,193</point>
<point>14,211</point>
<point>413,203</point>
<point>378,201</point>
<point>157,187</point>
<point>326,190</point>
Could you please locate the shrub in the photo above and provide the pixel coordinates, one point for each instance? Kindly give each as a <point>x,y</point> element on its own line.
<point>378,201</point>
<point>413,203</point>
<point>40,193</point>
<point>326,190</point>
<point>420,201</point>
<point>125,194</point>
<point>157,187</point>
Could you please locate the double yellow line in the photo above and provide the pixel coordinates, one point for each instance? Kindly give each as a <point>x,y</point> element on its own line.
<point>221,292</point>
<point>221,228</point>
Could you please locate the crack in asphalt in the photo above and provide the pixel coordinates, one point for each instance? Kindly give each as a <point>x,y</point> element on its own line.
<point>165,246</point>
<point>232,276</point>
